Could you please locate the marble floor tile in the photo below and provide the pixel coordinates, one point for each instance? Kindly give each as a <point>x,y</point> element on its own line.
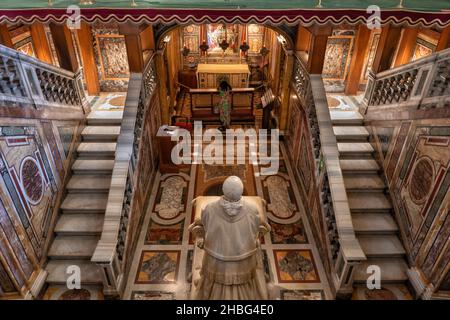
<point>302,295</point>
<point>295,266</point>
<point>164,234</point>
<point>152,295</point>
<point>158,267</point>
<point>288,233</point>
<point>61,292</point>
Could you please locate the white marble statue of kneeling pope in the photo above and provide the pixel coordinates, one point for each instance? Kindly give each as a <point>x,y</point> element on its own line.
<point>228,231</point>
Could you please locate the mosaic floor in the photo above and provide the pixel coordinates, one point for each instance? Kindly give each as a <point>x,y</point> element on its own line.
<point>341,102</point>
<point>387,292</point>
<point>162,264</point>
<point>62,293</point>
<point>108,101</point>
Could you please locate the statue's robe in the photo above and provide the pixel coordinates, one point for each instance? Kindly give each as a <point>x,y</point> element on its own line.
<point>232,254</point>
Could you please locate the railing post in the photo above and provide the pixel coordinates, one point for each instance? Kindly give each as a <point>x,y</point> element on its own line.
<point>344,274</point>
<point>112,277</point>
<point>420,84</point>
<point>30,81</point>
<point>369,92</point>
<point>80,91</point>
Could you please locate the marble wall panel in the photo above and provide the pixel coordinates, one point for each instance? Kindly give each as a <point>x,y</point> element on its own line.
<point>337,57</point>
<point>31,174</point>
<point>419,183</point>
<point>110,56</point>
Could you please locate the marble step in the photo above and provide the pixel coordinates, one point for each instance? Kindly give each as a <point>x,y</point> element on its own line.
<point>346,118</point>
<point>73,247</point>
<point>96,149</point>
<point>103,133</point>
<point>90,272</point>
<point>85,183</point>
<point>99,117</point>
<point>374,223</point>
<point>92,166</point>
<point>380,246</point>
<point>355,149</point>
<point>368,202</point>
<point>344,133</point>
<point>80,224</point>
<point>359,166</point>
<point>363,182</point>
<point>85,203</point>
<point>393,270</point>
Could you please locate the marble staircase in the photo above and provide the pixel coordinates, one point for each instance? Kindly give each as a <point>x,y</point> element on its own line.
<point>80,223</point>
<point>369,202</point>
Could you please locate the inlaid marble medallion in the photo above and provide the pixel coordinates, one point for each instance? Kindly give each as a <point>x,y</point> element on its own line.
<point>279,202</point>
<point>158,267</point>
<point>295,266</point>
<point>171,201</point>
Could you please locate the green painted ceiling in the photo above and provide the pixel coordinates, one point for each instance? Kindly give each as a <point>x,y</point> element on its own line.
<point>418,5</point>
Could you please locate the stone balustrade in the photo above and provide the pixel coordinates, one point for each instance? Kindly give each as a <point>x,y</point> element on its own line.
<point>421,84</point>
<point>29,82</point>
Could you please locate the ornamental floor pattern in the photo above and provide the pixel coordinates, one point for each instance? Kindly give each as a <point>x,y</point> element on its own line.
<point>162,263</point>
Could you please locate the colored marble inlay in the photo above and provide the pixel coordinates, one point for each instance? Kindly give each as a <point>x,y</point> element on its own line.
<point>164,234</point>
<point>113,57</point>
<point>337,57</point>
<point>288,233</point>
<point>66,134</point>
<point>32,181</point>
<point>295,266</point>
<point>402,135</point>
<point>302,295</point>
<point>278,197</point>
<point>171,202</point>
<point>158,267</point>
<point>386,292</point>
<point>152,295</point>
<point>60,292</point>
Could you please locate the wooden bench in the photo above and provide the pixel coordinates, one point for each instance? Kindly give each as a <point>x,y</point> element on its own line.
<point>202,102</point>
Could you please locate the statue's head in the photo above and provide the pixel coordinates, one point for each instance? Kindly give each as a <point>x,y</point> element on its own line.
<point>233,188</point>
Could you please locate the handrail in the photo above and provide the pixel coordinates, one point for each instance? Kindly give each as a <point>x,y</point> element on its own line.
<point>345,248</point>
<point>28,82</point>
<point>420,84</point>
<point>110,252</point>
